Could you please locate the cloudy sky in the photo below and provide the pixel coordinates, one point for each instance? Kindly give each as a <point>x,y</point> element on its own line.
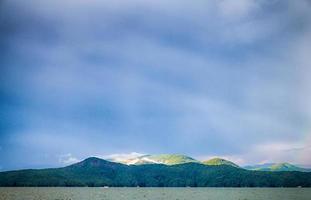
<point>227,78</point>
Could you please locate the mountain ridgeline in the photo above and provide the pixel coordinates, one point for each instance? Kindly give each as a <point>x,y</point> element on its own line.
<point>166,159</point>
<point>173,159</point>
<point>277,167</point>
<point>98,172</point>
<point>219,161</point>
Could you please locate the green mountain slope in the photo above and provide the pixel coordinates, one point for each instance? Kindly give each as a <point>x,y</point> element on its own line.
<point>277,167</point>
<point>98,172</point>
<point>171,159</point>
<point>167,159</point>
<point>219,161</point>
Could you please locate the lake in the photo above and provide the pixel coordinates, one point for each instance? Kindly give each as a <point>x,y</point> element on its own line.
<point>85,193</point>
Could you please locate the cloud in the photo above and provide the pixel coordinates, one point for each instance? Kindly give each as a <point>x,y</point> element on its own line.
<point>238,9</point>
<point>123,156</point>
<point>154,77</point>
<point>278,152</point>
<point>67,159</point>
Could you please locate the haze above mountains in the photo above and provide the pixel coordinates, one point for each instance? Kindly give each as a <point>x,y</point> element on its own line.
<point>173,159</point>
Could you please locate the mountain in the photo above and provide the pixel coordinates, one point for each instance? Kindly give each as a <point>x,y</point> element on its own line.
<point>174,159</point>
<point>277,167</point>
<point>98,172</point>
<point>170,159</point>
<point>166,159</point>
<point>259,166</point>
<point>219,161</point>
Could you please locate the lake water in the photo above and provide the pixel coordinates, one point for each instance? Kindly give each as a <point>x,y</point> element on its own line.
<point>155,193</point>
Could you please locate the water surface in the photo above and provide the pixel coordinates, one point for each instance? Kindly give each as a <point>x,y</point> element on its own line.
<point>57,193</point>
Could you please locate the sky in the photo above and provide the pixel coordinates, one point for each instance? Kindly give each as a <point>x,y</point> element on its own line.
<point>227,78</point>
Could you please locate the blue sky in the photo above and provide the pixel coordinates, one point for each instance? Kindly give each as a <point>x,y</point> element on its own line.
<point>206,78</point>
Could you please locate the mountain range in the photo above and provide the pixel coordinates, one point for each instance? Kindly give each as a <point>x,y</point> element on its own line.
<point>173,159</point>
<point>277,167</point>
<point>155,171</point>
<point>166,159</point>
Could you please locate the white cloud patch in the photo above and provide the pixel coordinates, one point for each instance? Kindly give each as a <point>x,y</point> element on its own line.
<point>121,157</point>
<point>67,159</point>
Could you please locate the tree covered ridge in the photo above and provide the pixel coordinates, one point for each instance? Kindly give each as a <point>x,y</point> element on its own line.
<point>98,172</point>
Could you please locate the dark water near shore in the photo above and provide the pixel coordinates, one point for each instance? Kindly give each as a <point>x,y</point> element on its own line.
<point>155,193</point>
